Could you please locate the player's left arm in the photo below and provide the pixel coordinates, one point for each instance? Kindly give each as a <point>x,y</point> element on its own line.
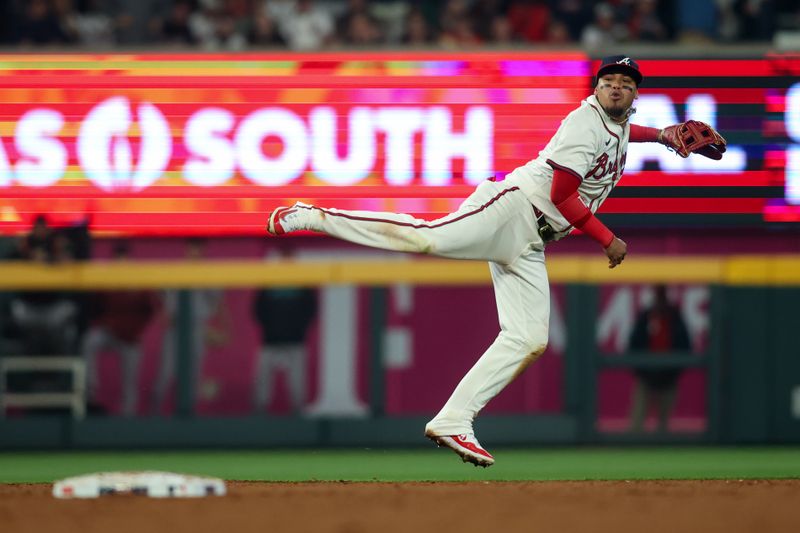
<point>685,138</point>
<point>643,134</point>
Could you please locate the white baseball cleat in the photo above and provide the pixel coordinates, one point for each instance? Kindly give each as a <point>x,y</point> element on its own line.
<point>466,446</point>
<point>287,219</point>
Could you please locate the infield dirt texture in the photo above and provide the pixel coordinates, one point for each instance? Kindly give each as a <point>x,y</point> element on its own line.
<point>581,506</point>
<point>580,490</point>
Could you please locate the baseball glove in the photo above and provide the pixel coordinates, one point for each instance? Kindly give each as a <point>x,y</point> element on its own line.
<point>693,137</point>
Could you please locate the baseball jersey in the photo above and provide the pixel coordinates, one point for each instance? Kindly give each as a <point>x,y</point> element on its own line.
<point>589,145</point>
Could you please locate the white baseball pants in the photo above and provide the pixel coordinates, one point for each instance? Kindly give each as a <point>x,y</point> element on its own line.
<point>99,339</point>
<point>496,223</point>
<point>272,357</point>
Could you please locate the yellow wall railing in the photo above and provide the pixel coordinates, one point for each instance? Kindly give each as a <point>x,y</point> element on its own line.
<point>592,269</point>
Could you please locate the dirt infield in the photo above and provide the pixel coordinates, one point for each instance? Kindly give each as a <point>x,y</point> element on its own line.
<point>591,506</point>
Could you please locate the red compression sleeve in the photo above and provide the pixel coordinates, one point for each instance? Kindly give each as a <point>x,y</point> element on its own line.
<point>643,134</point>
<point>564,194</point>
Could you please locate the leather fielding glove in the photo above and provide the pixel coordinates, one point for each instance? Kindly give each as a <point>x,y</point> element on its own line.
<point>693,137</point>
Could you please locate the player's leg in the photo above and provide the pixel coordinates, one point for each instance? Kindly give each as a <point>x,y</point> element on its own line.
<point>94,341</point>
<point>638,406</point>
<point>666,405</point>
<point>131,358</point>
<point>296,372</point>
<point>262,385</point>
<point>469,233</point>
<point>198,351</point>
<point>523,302</point>
<point>166,370</point>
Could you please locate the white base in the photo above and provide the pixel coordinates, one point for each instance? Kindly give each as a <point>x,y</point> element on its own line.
<point>151,484</point>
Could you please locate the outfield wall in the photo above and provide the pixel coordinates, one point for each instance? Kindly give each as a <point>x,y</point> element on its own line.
<point>740,383</point>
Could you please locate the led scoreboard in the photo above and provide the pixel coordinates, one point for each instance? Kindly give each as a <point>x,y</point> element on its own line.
<point>207,144</point>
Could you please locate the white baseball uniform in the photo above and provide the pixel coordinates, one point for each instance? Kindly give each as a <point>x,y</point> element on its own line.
<point>498,223</point>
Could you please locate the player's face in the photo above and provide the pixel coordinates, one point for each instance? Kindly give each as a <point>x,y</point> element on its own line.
<point>616,93</point>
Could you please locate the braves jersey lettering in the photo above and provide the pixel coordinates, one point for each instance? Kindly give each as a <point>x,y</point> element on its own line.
<point>622,165</point>
<point>612,170</point>
<point>602,167</point>
<point>599,169</point>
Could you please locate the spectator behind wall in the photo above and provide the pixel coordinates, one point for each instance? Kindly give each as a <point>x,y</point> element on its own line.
<point>309,24</point>
<point>357,26</point>
<point>137,21</point>
<point>645,23</point>
<point>175,27</point>
<point>93,24</point>
<point>46,322</point>
<point>120,318</point>
<point>263,29</point>
<point>304,24</point>
<point>659,328</point>
<point>39,24</point>
<point>284,316</point>
<point>604,30</point>
<point>417,29</point>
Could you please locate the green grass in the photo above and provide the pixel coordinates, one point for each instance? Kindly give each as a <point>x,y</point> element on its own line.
<point>419,465</point>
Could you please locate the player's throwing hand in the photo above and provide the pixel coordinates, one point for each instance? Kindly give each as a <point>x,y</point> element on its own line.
<point>616,252</point>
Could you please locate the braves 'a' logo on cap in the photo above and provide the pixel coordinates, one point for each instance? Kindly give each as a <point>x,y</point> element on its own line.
<point>624,61</point>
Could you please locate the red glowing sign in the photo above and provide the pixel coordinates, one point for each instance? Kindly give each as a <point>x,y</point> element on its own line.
<point>182,144</point>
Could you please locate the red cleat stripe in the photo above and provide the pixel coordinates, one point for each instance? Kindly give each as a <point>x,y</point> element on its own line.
<point>471,447</point>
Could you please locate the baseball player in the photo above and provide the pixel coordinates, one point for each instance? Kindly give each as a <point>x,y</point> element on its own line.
<point>508,223</point>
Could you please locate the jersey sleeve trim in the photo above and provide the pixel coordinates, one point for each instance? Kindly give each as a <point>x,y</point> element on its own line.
<point>556,166</point>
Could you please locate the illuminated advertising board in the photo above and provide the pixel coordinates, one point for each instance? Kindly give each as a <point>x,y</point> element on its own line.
<point>207,144</point>
<point>746,100</point>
